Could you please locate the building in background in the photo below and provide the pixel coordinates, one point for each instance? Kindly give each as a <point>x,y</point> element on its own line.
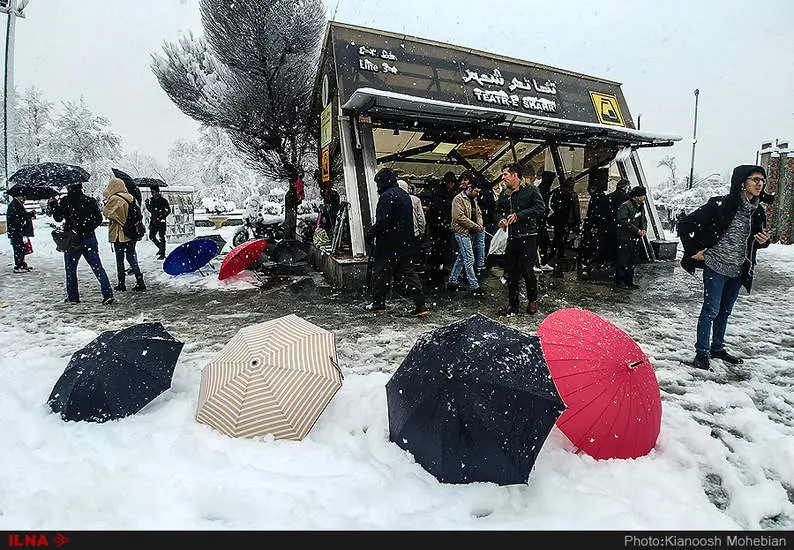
<point>777,160</point>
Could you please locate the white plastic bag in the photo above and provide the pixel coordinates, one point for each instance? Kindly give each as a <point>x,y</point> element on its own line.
<point>498,242</point>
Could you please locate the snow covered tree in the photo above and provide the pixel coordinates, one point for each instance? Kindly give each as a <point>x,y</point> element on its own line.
<point>32,129</point>
<point>251,75</point>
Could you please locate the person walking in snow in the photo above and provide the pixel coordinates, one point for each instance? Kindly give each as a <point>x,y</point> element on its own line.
<point>81,214</point>
<point>159,209</point>
<point>117,202</point>
<point>19,225</point>
<point>722,238</point>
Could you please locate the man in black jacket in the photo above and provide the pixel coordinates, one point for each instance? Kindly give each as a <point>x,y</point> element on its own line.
<point>159,209</point>
<point>722,237</point>
<point>19,225</point>
<point>392,251</point>
<point>631,227</point>
<point>520,206</point>
<point>81,214</point>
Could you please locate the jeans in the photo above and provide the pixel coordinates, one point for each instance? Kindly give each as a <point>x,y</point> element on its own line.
<point>719,295</point>
<point>89,249</point>
<point>465,260</point>
<point>127,249</point>
<point>478,243</point>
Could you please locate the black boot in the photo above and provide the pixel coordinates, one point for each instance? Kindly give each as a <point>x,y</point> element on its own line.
<point>122,287</point>
<point>140,287</point>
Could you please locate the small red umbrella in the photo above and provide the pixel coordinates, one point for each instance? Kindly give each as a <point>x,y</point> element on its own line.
<point>241,257</point>
<point>614,407</point>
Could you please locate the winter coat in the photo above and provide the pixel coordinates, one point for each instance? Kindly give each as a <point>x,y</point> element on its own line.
<point>705,226</point>
<point>463,219</point>
<point>598,215</point>
<point>117,202</point>
<point>78,211</point>
<point>526,203</point>
<point>564,210</point>
<point>19,222</point>
<point>419,216</point>
<point>393,229</point>
<point>631,219</point>
<point>158,208</point>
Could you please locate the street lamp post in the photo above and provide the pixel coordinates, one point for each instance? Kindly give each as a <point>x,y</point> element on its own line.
<point>13,8</point>
<point>694,141</point>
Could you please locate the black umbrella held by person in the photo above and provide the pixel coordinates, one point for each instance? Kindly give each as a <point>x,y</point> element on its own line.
<point>54,174</point>
<point>31,192</point>
<point>474,401</point>
<point>116,374</point>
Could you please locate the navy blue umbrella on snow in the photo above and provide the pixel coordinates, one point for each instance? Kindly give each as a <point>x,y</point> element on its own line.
<point>116,374</point>
<point>474,401</point>
<point>190,256</point>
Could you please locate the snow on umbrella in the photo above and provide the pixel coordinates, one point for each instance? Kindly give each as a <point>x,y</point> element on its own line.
<point>218,239</point>
<point>473,401</point>
<point>275,378</point>
<point>116,374</point>
<point>150,182</point>
<point>241,257</point>
<point>31,192</point>
<point>289,252</point>
<point>607,382</point>
<point>190,256</point>
<point>55,174</point>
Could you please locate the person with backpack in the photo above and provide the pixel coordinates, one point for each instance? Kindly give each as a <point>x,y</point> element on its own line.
<point>81,214</point>
<point>159,209</point>
<point>118,206</point>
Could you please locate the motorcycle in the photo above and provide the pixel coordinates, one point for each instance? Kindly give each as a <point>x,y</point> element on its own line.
<point>258,225</point>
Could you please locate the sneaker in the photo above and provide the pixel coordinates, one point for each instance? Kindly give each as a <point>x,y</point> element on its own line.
<point>121,287</point>
<point>507,312</point>
<point>546,267</point>
<point>536,269</point>
<point>68,301</point>
<point>477,292</point>
<point>725,356</point>
<point>108,300</point>
<point>532,307</point>
<point>375,308</point>
<point>27,268</point>
<point>19,270</point>
<point>701,361</point>
<point>419,311</point>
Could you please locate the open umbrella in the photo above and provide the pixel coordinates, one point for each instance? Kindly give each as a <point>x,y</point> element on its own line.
<point>274,378</point>
<point>32,192</point>
<point>607,382</point>
<point>473,401</point>
<point>150,182</point>
<point>122,175</point>
<point>289,252</point>
<point>241,257</point>
<point>116,374</point>
<point>221,242</point>
<point>190,256</point>
<point>55,174</point>
<point>129,183</point>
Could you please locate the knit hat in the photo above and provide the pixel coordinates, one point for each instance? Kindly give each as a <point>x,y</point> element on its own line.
<point>622,183</point>
<point>638,191</point>
<point>386,177</point>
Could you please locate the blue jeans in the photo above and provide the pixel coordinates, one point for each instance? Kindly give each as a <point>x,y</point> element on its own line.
<point>719,295</point>
<point>89,249</point>
<point>122,250</point>
<point>478,242</point>
<point>465,259</point>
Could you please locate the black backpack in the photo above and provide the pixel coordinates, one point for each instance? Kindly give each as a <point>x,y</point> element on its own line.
<point>133,227</point>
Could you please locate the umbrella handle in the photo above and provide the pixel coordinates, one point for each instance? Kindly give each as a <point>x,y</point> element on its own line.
<point>336,366</point>
<point>635,364</point>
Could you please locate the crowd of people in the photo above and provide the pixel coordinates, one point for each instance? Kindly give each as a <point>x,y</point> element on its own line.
<point>81,216</point>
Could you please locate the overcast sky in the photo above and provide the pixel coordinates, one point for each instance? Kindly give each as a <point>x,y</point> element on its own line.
<point>737,53</point>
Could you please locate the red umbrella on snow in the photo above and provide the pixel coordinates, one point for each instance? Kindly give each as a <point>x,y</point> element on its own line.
<point>614,407</point>
<point>241,257</point>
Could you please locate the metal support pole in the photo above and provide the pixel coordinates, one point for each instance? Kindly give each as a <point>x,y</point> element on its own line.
<point>694,142</point>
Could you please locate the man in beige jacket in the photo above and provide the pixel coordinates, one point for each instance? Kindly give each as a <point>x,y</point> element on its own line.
<point>117,201</point>
<point>466,217</point>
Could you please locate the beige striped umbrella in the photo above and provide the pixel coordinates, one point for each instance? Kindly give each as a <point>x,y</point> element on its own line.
<point>271,378</point>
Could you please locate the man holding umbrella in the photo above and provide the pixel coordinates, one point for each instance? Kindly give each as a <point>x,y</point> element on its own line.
<point>20,227</point>
<point>159,209</point>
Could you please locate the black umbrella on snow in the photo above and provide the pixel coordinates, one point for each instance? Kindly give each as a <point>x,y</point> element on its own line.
<point>32,192</point>
<point>288,252</point>
<point>218,239</point>
<point>474,401</point>
<point>116,374</point>
<point>54,174</point>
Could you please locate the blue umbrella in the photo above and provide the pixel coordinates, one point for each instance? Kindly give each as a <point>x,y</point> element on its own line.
<point>190,256</point>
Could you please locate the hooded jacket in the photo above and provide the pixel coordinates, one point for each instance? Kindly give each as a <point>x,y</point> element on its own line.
<point>705,226</point>
<point>19,220</point>
<point>78,211</point>
<point>117,201</point>
<point>393,229</point>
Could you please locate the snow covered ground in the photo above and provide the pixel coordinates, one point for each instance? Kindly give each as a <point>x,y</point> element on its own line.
<point>724,459</point>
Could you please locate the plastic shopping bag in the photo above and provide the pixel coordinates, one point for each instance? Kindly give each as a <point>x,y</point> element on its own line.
<point>498,242</point>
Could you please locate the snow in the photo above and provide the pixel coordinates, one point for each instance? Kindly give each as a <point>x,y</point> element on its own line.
<point>724,459</point>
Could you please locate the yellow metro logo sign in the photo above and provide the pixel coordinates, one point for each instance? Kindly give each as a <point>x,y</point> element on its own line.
<point>606,107</point>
